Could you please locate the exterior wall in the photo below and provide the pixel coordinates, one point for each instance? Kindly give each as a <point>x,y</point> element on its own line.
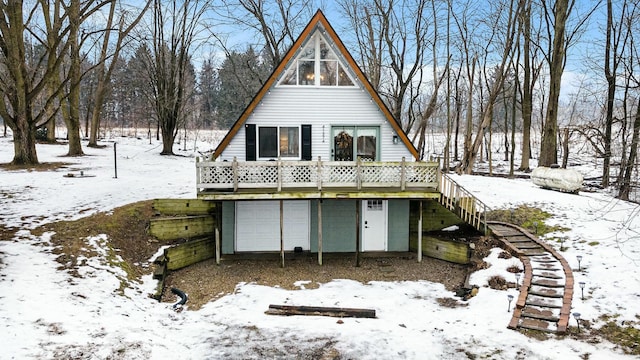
<point>398,225</point>
<point>338,225</point>
<point>228,227</point>
<point>322,107</point>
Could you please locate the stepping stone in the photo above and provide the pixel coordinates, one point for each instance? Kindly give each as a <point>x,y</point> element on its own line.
<point>528,246</point>
<point>546,292</point>
<point>534,252</point>
<point>548,283</point>
<point>542,313</point>
<point>542,301</point>
<point>519,239</point>
<point>548,266</point>
<point>537,324</point>
<point>547,274</point>
<point>545,266</point>
<point>546,269</point>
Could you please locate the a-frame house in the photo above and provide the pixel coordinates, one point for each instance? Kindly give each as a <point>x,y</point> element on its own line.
<point>316,162</point>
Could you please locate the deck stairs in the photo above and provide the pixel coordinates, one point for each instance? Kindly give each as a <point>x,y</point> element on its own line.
<point>463,203</point>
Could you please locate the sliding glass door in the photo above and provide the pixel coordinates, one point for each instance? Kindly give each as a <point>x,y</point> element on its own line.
<point>355,142</point>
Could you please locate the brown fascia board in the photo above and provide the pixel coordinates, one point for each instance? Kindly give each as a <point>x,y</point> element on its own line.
<point>318,18</point>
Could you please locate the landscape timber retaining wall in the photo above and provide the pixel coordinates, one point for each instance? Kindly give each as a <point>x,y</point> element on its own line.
<point>184,206</point>
<point>184,227</point>
<point>189,253</point>
<point>448,250</point>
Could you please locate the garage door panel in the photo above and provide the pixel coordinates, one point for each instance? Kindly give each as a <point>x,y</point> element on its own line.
<point>258,225</point>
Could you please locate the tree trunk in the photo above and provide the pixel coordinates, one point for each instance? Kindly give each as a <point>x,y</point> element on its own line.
<point>548,146</point>
<point>610,75</point>
<point>625,186</point>
<point>565,147</point>
<point>96,111</point>
<point>72,120</point>
<point>168,139</point>
<point>51,129</point>
<point>527,93</point>
<point>24,142</point>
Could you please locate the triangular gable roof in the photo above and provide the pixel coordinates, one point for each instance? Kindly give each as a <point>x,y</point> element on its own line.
<point>318,18</point>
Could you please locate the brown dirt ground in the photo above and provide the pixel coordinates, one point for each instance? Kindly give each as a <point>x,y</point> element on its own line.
<point>206,281</point>
<point>127,227</point>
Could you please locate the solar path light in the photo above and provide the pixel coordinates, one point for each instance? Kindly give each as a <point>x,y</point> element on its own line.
<point>579,257</point>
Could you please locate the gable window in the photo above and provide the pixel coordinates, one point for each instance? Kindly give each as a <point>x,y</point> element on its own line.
<point>316,65</point>
<point>283,141</point>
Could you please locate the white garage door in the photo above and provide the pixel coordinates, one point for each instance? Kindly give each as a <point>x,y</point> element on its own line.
<point>258,225</point>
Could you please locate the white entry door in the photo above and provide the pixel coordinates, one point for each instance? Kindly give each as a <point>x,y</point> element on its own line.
<point>258,225</point>
<point>374,225</point>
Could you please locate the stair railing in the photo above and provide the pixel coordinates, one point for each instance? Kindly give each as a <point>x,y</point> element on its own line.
<point>463,203</point>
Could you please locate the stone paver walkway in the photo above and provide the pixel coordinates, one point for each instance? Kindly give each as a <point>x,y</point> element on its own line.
<point>546,289</point>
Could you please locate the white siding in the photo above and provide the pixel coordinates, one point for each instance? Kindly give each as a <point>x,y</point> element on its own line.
<point>321,107</point>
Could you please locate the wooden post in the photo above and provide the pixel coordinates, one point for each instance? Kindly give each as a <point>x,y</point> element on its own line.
<point>198,181</point>
<point>319,231</point>
<point>319,174</point>
<point>282,233</point>
<point>115,160</point>
<point>217,245</point>
<point>420,232</point>
<point>402,175</point>
<point>234,170</point>
<point>358,179</point>
<point>358,202</point>
<point>279,174</point>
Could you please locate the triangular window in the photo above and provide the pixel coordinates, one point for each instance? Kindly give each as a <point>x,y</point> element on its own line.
<point>316,65</point>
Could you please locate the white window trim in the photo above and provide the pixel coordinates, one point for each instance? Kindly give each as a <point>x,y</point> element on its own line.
<point>294,63</point>
<point>287,158</point>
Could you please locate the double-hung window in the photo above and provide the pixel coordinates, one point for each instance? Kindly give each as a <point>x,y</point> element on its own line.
<point>278,141</point>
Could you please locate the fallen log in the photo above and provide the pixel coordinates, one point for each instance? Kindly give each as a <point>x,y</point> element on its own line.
<point>289,310</point>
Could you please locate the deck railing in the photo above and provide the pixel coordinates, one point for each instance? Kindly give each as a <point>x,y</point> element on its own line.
<point>464,204</point>
<point>280,175</point>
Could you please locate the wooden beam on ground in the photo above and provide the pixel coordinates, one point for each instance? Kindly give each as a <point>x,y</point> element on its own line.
<point>320,311</point>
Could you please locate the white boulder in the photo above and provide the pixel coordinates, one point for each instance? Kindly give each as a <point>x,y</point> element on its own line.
<point>560,179</point>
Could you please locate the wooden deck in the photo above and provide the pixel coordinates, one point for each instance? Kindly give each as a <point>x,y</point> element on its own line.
<point>306,193</point>
<point>275,180</point>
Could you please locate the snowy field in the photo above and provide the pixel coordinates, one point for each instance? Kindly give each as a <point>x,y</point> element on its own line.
<point>47,314</point>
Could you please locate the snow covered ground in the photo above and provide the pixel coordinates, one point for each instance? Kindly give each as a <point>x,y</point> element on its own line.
<point>50,315</point>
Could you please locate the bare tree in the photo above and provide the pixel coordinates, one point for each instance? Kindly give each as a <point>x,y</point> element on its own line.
<point>631,55</point>
<point>392,42</point>
<point>562,34</point>
<point>20,84</point>
<point>175,27</point>
<point>509,12</point>
<point>275,23</point>
<point>531,71</point>
<point>108,60</point>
